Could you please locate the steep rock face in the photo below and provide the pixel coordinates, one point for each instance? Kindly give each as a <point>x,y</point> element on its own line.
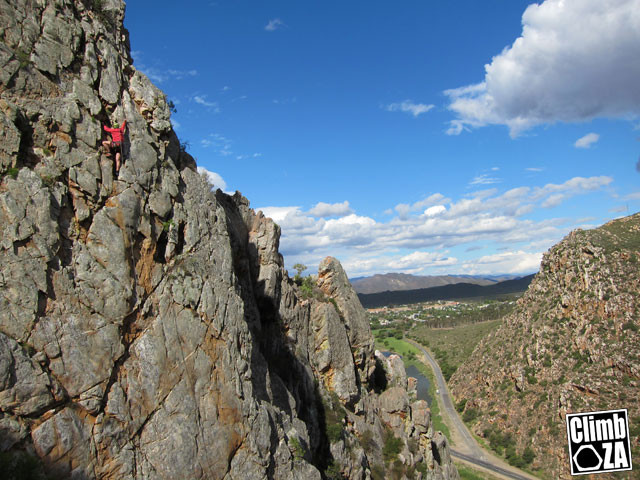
<point>148,328</point>
<point>572,345</point>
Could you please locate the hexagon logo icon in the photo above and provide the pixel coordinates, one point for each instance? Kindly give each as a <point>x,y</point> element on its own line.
<point>599,442</point>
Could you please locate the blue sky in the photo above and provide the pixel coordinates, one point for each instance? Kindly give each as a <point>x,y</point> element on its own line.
<point>421,137</point>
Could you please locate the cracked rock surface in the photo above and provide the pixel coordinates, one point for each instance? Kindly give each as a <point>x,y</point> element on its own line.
<point>148,328</point>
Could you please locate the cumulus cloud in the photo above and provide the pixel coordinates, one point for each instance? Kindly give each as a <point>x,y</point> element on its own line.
<point>431,225</point>
<point>214,178</point>
<point>435,210</point>
<point>514,262</point>
<point>274,25</point>
<point>574,61</point>
<point>408,106</point>
<point>586,141</point>
<point>553,200</point>
<point>331,209</point>
<point>414,263</point>
<point>403,209</point>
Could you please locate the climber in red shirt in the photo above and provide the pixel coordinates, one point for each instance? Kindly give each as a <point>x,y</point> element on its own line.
<point>116,141</point>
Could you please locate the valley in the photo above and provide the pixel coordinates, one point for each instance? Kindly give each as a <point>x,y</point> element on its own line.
<point>569,344</point>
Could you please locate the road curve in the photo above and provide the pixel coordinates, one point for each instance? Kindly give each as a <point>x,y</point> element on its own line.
<point>476,455</point>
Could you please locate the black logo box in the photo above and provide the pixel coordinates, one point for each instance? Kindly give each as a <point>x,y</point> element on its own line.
<point>599,442</point>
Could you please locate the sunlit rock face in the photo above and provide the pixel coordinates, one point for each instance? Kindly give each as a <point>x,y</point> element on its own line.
<point>148,328</point>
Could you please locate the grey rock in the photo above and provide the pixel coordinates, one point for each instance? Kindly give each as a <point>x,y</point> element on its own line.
<point>86,96</point>
<point>160,203</point>
<point>110,81</point>
<point>59,40</point>
<point>333,281</point>
<point>149,328</point>
<point>331,353</point>
<point>23,385</point>
<point>9,135</point>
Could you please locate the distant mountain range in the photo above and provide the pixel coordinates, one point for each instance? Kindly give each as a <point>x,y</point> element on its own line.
<point>391,282</point>
<point>445,292</point>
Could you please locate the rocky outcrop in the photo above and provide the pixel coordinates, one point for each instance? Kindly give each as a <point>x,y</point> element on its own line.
<point>570,346</point>
<point>148,328</point>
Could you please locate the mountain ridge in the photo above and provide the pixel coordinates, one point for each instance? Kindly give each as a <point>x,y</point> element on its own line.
<point>446,292</point>
<point>402,281</point>
<point>570,346</point>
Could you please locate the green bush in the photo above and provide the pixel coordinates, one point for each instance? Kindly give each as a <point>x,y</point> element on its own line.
<point>334,432</point>
<point>298,449</point>
<point>392,446</point>
<point>12,172</point>
<point>528,455</point>
<point>23,57</point>
<point>333,415</point>
<point>307,287</point>
<point>333,472</point>
<point>470,415</point>
<point>367,441</point>
<point>461,404</point>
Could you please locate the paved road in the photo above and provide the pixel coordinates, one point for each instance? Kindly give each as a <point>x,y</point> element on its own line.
<point>489,466</point>
<point>447,405</point>
<point>476,455</point>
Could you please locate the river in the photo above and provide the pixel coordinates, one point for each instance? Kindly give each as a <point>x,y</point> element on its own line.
<point>423,385</point>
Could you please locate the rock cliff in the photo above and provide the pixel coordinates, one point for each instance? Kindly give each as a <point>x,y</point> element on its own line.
<point>572,345</point>
<point>148,328</point>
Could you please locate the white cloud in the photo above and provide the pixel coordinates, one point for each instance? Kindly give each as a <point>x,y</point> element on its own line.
<point>278,214</point>
<point>404,209</point>
<point>633,196</point>
<point>553,200</point>
<point>573,186</point>
<point>331,210</point>
<point>274,25</point>
<point>534,169</point>
<point>434,225</point>
<point>484,180</point>
<point>180,74</point>
<point>408,106</point>
<point>214,178</point>
<point>202,100</point>
<point>158,74</point>
<point>586,141</point>
<point>220,143</point>
<point>417,262</point>
<point>514,262</point>
<point>574,61</point>
<point>435,210</point>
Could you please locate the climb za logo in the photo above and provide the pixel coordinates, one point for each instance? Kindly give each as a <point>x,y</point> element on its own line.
<point>599,442</point>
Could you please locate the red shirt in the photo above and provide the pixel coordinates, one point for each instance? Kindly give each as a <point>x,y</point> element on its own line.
<point>116,133</point>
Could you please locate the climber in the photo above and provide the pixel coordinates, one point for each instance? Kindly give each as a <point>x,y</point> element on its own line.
<point>116,142</point>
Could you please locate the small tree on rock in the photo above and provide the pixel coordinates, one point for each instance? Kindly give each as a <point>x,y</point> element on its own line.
<point>299,268</point>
